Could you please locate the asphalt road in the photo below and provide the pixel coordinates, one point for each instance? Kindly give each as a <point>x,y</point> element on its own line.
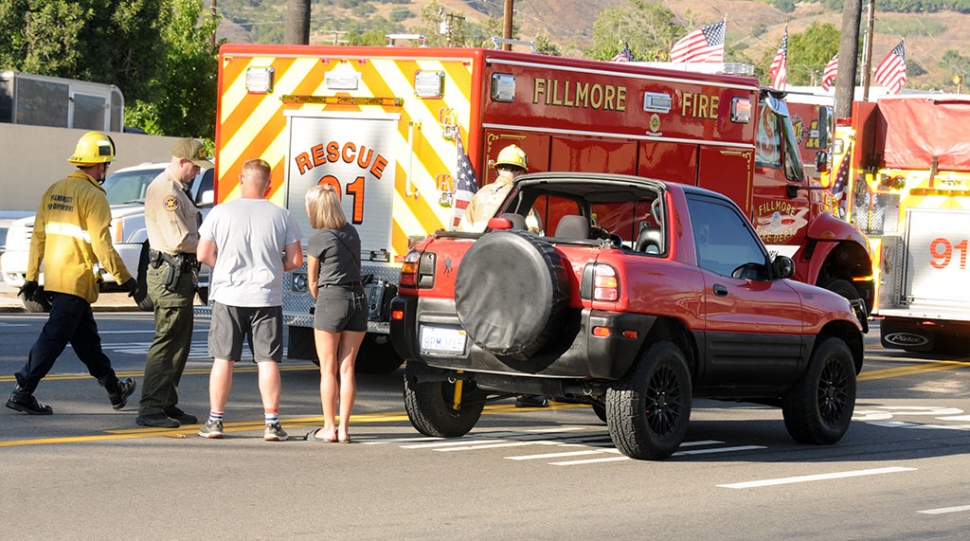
<point>88,472</point>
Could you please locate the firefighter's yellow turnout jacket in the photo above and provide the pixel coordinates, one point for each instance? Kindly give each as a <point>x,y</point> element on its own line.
<point>72,237</point>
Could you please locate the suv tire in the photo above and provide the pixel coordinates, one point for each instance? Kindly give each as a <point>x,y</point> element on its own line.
<point>430,404</point>
<point>511,293</point>
<point>818,409</point>
<point>648,410</point>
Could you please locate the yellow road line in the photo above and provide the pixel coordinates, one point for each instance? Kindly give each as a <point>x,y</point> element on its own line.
<point>250,426</point>
<point>914,369</point>
<point>188,371</point>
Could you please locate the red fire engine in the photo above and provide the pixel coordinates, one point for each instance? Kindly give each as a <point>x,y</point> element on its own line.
<point>384,125</point>
<point>910,192</point>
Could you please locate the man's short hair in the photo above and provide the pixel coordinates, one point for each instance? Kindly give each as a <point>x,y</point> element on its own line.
<point>257,167</point>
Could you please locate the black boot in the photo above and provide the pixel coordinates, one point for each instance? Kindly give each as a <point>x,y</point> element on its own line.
<point>21,400</point>
<point>119,395</point>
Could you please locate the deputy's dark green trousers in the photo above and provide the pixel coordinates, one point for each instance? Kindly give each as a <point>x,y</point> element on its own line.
<point>173,339</point>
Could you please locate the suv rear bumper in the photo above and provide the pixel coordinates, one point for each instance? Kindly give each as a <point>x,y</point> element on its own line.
<point>575,353</point>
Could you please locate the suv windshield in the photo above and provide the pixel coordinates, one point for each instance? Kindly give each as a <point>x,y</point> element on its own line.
<point>129,186</point>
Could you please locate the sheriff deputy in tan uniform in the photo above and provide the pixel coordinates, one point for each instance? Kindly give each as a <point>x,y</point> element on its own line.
<point>71,237</point>
<point>172,221</point>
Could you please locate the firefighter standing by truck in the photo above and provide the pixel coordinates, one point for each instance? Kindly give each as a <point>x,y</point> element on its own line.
<point>71,235</point>
<point>172,221</point>
<point>511,163</point>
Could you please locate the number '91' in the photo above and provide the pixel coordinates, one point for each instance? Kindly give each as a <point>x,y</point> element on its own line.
<point>941,250</point>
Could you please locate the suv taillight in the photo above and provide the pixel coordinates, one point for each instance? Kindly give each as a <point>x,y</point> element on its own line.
<point>409,271</point>
<point>606,285</point>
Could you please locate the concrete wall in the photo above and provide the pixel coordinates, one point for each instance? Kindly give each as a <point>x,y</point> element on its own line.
<point>34,157</point>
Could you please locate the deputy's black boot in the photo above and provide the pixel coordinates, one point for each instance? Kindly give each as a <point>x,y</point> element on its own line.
<point>21,400</point>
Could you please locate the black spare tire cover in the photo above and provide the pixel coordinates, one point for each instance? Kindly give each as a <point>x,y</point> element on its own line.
<point>511,293</point>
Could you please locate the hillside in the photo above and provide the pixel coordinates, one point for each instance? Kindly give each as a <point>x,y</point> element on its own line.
<point>570,24</point>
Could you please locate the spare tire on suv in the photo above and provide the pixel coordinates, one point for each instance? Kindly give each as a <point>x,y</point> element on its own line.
<point>512,293</point>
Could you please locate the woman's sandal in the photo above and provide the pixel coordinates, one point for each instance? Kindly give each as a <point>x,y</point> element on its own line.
<point>312,436</point>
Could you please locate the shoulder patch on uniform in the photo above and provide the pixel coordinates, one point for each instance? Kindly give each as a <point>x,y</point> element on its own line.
<point>170,203</point>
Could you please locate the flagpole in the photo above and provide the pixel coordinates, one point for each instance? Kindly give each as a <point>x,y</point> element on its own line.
<point>867,54</point>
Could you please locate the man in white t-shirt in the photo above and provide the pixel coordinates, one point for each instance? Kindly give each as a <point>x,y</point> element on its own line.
<point>249,243</point>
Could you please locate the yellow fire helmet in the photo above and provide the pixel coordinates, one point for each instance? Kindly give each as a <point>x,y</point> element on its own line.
<point>92,148</point>
<point>512,155</point>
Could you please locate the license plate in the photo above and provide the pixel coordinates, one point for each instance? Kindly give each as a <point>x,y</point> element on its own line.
<point>442,339</point>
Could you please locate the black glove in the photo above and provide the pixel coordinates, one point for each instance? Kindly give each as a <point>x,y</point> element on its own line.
<point>29,291</point>
<point>132,286</point>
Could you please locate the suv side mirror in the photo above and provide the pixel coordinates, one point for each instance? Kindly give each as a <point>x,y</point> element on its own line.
<point>783,266</point>
<point>207,198</point>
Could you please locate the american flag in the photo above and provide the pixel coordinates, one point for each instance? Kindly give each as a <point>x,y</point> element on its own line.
<point>626,55</point>
<point>838,186</point>
<point>831,71</point>
<point>778,72</point>
<point>891,72</point>
<point>465,185</point>
<point>704,45</point>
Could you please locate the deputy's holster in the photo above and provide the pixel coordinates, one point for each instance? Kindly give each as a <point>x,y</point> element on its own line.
<point>177,264</point>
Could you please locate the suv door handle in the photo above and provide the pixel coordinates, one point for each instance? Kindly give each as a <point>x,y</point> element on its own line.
<point>720,290</point>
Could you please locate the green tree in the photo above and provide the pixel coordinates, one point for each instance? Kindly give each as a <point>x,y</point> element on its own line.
<point>649,29</point>
<point>182,98</point>
<point>105,41</point>
<point>545,45</point>
<point>808,53</point>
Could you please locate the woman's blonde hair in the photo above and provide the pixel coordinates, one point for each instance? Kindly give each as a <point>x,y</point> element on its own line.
<point>323,208</point>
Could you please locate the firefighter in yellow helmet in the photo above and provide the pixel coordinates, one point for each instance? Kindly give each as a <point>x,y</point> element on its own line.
<point>511,163</point>
<point>72,239</point>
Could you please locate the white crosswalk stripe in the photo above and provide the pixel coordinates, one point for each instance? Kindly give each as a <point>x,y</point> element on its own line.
<point>568,445</point>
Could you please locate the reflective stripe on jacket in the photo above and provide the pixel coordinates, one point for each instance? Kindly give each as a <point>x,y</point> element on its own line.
<point>71,236</point>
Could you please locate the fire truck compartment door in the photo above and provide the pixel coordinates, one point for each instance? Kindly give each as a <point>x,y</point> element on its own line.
<point>356,154</point>
<point>935,272</point>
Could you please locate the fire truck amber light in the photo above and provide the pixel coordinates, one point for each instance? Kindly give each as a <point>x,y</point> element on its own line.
<point>605,281</point>
<point>602,332</point>
<point>397,315</point>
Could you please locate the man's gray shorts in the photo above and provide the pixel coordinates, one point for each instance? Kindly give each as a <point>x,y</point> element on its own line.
<point>262,325</point>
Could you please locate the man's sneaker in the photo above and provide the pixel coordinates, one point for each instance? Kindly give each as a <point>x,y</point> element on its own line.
<point>274,432</point>
<point>119,396</point>
<point>21,400</point>
<point>211,429</point>
<point>182,417</point>
<point>157,420</point>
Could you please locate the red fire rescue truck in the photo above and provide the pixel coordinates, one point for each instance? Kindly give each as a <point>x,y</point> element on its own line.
<point>910,192</point>
<point>385,125</point>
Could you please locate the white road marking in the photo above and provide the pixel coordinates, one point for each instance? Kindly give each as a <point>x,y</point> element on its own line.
<point>553,455</point>
<point>495,446</point>
<point>944,510</point>
<point>401,440</point>
<point>817,477</point>
<point>590,461</point>
<point>451,443</point>
<point>719,450</point>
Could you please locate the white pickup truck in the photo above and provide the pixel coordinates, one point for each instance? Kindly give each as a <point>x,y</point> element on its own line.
<point>126,193</point>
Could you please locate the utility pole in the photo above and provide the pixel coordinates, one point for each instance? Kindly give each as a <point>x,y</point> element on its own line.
<point>297,22</point>
<point>451,21</point>
<point>867,53</point>
<point>848,49</point>
<point>507,28</point>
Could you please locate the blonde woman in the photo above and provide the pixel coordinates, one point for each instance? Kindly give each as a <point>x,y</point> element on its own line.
<point>340,314</point>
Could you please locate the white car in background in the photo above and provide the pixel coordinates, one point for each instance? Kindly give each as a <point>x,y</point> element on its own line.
<point>125,190</point>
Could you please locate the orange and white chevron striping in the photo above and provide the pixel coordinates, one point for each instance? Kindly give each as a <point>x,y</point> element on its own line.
<point>254,125</point>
